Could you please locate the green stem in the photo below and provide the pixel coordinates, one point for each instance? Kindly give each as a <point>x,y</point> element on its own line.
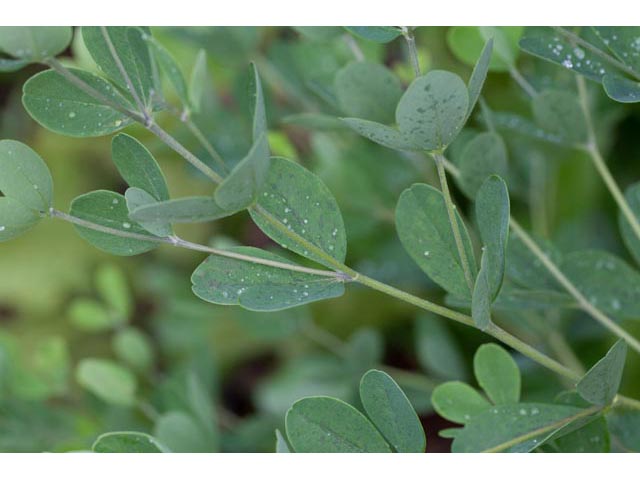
<point>522,82</point>
<point>408,35</point>
<point>453,221</point>
<point>596,51</point>
<point>594,152</point>
<point>583,303</point>
<point>354,47</point>
<point>195,130</point>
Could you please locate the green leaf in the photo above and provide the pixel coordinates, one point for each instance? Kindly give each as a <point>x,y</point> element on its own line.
<point>587,435</point>
<point>132,51</point>
<point>424,230</point>
<point>363,351</point>
<point>433,110</point>
<point>625,426</point>
<point>112,285</point>
<point>180,210</point>
<point>133,347</point>
<point>525,269</point>
<point>11,65</point>
<point>91,316</point>
<point>109,209</point>
<point>382,134</point>
<point>437,350</point>
<point>314,121</point>
<point>621,89</point>
<point>458,402</point>
<point>300,203</point>
<point>479,75</point>
<point>107,380</point>
<point>233,281</point>
<point>512,427</point>
<point>138,167</point>
<point>368,90</point>
<point>328,425</point>
<point>258,112</point>
<point>15,219</point>
<point>198,81</point>
<point>484,155</point>
<point>497,373</point>
<point>376,34</point>
<point>171,69</point>
<point>632,195</point>
<point>281,443</point>
<point>127,442</point>
<point>623,42</point>
<point>24,177</point>
<point>319,34</point>
<point>390,411</point>
<point>492,214</point>
<point>63,108</point>
<point>560,113</point>
<point>466,44</point>
<point>246,181</point>
<point>34,43</point>
<point>607,281</point>
<point>601,383</point>
<point>481,296</point>
<point>180,433</point>
<point>136,199</point>
<point>549,45</point>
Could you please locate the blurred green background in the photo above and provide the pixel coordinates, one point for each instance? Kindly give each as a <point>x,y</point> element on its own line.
<point>234,373</point>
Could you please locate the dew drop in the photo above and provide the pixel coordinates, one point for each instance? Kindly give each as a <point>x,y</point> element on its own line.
<point>126,225</point>
<point>72,114</point>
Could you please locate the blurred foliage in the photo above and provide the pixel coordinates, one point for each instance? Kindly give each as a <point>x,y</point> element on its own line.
<point>69,313</point>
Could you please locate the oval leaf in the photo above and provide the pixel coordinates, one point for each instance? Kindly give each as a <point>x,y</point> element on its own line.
<point>34,43</point>
<point>497,373</point>
<point>390,411</point>
<point>484,155</point>
<point>458,402</point>
<point>328,425</point>
<point>127,442</point>
<point>137,198</point>
<point>107,380</point>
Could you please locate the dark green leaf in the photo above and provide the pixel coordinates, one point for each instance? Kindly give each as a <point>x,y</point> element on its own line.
<point>171,69</point>
<point>607,281</point>
<point>368,90</point>
<point>560,113</point>
<point>137,198</point>
<point>390,411</point>
<point>109,209</point>
<point>34,43</point>
<point>479,75</point>
<point>458,402</point>
<point>127,442</point>
<point>625,426</point>
<point>601,383</point>
<point>138,167</point>
<point>328,425</point>
<point>25,178</point>
<point>524,268</point>
<point>516,428</point>
<point>300,203</point>
<point>424,230</point>
<point>497,373</point>
<point>233,281</point>
<point>481,298</point>
<point>376,34</point>
<point>62,107</point>
<point>433,109</point>
<point>107,380</point>
<point>623,42</point>
<point>15,218</point>
<point>621,89</point>
<point>132,52</point>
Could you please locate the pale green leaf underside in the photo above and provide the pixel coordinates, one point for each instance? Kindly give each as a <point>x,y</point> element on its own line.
<point>497,373</point>
<point>34,43</point>
<point>328,425</point>
<point>300,203</point>
<point>15,218</point>
<point>180,210</point>
<point>390,411</point>
<point>231,281</point>
<point>171,69</point>
<point>107,380</point>
<point>481,296</point>
<point>384,135</point>
<point>137,198</point>
<point>63,108</point>
<point>458,402</point>
<point>424,230</point>
<point>181,434</point>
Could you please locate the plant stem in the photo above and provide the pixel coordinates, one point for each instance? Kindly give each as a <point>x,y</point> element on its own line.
<point>179,242</point>
<point>408,35</point>
<point>354,47</point>
<point>520,80</point>
<point>542,430</point>
<point>195,130</point>
<point>584,304</point>
<point>594,152</point>
<point>596,51</point>
<point>453,221</point>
